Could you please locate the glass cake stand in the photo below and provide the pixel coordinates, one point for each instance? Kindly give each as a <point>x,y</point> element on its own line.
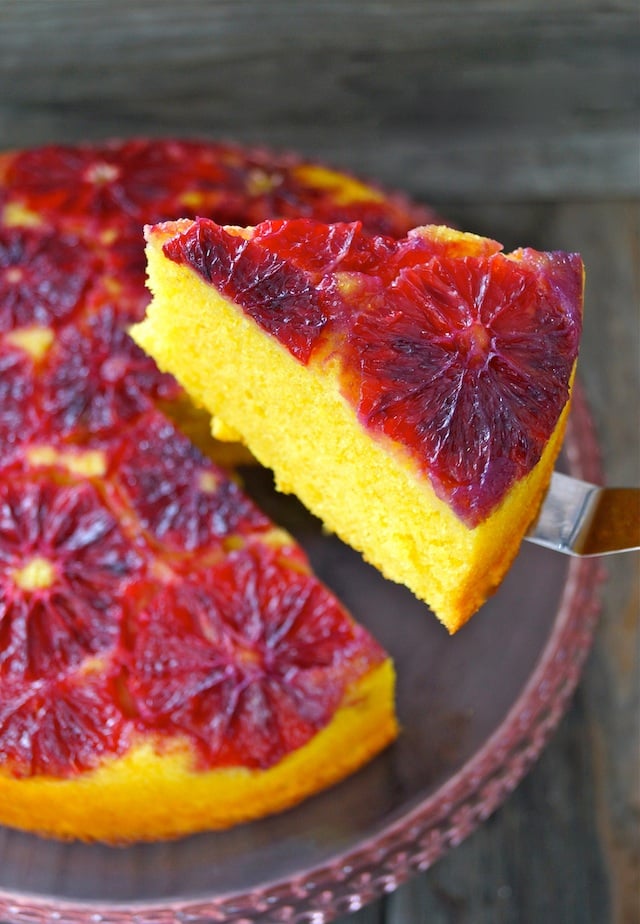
<point>476,710</point>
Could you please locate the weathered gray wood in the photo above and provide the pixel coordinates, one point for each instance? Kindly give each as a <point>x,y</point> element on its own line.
<point>372,914</point>
<point>493,99</point>
<point>612,685</point>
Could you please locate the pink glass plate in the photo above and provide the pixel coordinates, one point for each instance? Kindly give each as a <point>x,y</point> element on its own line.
<point>475,709</point>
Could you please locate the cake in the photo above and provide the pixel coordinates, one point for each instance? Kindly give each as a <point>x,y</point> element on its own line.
<point>167,668</point>
<point>117,533</point>
<point>412,392</point>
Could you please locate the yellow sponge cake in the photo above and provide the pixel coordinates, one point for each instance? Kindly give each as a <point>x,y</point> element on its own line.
<point>413,393</point>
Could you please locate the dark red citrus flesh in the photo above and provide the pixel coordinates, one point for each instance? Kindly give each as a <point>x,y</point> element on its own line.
<point>61,725</point>
<point>469,365</point>
<point>47,629</point>
<point>18,420</point>
<point>273,291</point>
<point>264,653</point>
<point>459,353</point>
<point>42,277</point>
<point>181,499</point>
<point>90,556</point>
<point>96,378</point>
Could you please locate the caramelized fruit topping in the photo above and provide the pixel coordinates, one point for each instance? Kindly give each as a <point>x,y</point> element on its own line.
<point>42,277</point>
<point>184,501</point>
<point>455,351</point>
<point>108,517</point>
<point>64,562</point>
<point>251,660</point>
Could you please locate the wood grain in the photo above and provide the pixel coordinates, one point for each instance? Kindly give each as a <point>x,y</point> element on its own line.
<point>460,98</point>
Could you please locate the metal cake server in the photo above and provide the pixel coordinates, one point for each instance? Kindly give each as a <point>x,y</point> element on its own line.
<point>583,519</point>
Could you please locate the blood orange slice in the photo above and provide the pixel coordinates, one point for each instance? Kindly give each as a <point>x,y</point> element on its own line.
<point>132,568</point>
<point>183,501</point>
<point>252,660</point>
<point>42,277</point>
<point>417,388</point>
<point>58,728</point>
<point>468,364</point>
<point>18,419</point>
<point>64,562</point>
<point>96,378</point>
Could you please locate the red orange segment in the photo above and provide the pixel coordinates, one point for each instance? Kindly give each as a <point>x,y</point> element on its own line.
<point>121,281</point>
<point>64,562</point>
<point>61,726</point>
<point>184,500</point>
<point>274,291</point>
<point>18,416</point>
<point>468,364</point>
<point>97,379</point>
<point>130,182</point>
<point>42,277</point>
<point>251,660</point>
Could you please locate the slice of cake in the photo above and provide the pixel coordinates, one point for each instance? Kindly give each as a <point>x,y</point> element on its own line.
<point>413,393</point>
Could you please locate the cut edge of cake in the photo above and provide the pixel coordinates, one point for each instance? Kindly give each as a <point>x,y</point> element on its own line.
<point>97,805</point>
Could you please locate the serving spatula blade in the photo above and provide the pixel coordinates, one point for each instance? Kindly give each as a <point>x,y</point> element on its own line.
<point>579,518</point>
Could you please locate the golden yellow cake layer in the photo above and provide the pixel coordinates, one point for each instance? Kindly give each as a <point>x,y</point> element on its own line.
<point>296,422</point>
<point>157,792</point>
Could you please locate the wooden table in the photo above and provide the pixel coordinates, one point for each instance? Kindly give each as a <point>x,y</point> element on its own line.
<point>518,120</point>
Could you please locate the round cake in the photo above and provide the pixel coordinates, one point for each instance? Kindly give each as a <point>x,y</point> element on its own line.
<point>168,662</point>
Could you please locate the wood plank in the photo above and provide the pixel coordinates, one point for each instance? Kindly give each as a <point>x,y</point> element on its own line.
<point>612,686</point>
<point>372,914</point>
<point>408,89</point>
